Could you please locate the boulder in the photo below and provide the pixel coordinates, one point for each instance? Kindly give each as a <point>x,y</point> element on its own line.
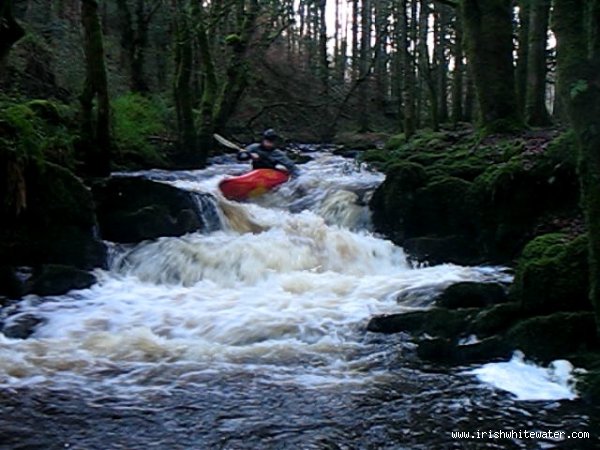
<point>495,319</point>
<point>472,295</point>
<point>434,322</point>
<point>395,197</point>
<point>45,280</point>
<point>20,326</point>
<point>552,275</point>
<point>454,249</point>
<point>133,209</point>
<point>449,351</point>
<point>555,336</point>
<point>57,280</point>
<point>57,224</point>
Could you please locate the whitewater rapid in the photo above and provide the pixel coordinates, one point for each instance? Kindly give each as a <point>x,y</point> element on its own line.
<point>283,289</point>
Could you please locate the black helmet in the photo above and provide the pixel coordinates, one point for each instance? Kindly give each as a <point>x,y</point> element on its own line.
<point>270,135</point>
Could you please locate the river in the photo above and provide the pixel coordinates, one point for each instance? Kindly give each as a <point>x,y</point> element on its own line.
<point>254,336</point>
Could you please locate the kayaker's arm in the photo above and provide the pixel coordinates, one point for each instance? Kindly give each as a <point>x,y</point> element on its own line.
<point>284,162</point>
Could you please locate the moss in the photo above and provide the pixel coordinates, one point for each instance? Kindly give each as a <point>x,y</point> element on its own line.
<point>471,295</point>
<point>552,275</point>
<point>547,245</point>
<point>496,319</point>
<point>396,195</point>
<point>554,336</point>
<point>396,141</point>
<point>135,119</point>
<point>443,207</point>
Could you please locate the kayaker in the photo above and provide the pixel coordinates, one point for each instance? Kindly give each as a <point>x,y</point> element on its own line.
<point>266,155</point>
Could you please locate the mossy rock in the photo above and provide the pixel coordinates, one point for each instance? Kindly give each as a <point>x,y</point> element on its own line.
<point>57,225</point>
<point>133,209</point>
<point>450,351</point>
<point>496,319</point>
<point>588,386</point>
<point>470,294</point>
<point>435,322</point>
<point>434,250</point>
<point>552,275</point>
<point>396,196</point>
<point>441,208</point>
<point>556,336</point>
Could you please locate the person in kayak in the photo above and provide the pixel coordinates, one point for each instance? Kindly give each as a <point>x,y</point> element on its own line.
<point>265,155</point>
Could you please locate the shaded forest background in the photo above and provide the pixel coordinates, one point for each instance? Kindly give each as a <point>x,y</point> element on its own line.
<point>192,68</point>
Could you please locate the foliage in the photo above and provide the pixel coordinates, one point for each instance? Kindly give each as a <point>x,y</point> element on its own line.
<point>135,119</point>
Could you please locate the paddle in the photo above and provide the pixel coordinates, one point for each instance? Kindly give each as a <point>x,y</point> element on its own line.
<point>227,143</point>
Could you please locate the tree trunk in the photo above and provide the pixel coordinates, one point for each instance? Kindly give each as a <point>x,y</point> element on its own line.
<point>95,131</point>
<point>441,62</point>
<point>323,57</point>
<point>535,101</point>
<point>186,130</point>
<point>522,54</point>
<point>458,73</point>
<point>578,56</point>
<point>408,64</point>
<point>365,47</point>
<point>425,67</point>
<point>10,30</point>
<point>488,32</point>
<point>236,78</point>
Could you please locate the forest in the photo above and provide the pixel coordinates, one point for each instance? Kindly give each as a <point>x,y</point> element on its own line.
<point>462,134</point>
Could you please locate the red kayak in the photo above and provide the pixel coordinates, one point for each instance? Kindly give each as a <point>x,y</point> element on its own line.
<point>252,184</point>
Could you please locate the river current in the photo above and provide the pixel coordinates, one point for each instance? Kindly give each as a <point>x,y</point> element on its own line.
<point>253,336</point>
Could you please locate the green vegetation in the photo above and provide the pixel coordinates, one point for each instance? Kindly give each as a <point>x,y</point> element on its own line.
<point>136,119</point>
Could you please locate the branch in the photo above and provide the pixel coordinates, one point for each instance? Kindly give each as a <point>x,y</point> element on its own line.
<point>153,11</point>
<point>451,3</point>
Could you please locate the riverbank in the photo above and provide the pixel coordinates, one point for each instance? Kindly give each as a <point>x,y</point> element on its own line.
<point>455,197</point>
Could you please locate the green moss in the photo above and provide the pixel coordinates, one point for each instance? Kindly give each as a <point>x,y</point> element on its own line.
<point>396,141</point>
<point>552,275</point>
<point>545,246</point>
<point>396,195</point>
<point>135,119</point>
<point>554,336</point>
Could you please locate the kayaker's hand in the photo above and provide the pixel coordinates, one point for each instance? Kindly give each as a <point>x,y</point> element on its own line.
<point>281,168</point>
<point>254,156</point>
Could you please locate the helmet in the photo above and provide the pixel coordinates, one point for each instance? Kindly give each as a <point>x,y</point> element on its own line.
<point>270,134</point>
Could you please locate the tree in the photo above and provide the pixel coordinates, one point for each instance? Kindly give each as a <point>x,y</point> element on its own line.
<point>134,38</point>
<point>536,112</point>
<point>10,30</point>
<point>576,24</point>
<point>95,128</point>
<point>489,47</point>
<point>182,93</point>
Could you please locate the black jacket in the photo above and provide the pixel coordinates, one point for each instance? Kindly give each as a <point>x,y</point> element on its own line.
<point>267,159</point>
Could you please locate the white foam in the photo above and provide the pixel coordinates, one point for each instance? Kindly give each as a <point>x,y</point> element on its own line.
<point>527,381</point>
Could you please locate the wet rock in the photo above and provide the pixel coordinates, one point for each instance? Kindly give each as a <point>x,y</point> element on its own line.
<point>449,351</point>
<point>58,280</point>
<point>555,336</point>
<point>20,326</point>
<point>133,209</point>
<point>10,284</point>
<point>394,198</point>
<point>49,279</point>
<point>472,295</point>
<point>438,250</point>
<point>56,227</point>
<point>496,319</point>
<point>435,322</point>
<point>552,275</point>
